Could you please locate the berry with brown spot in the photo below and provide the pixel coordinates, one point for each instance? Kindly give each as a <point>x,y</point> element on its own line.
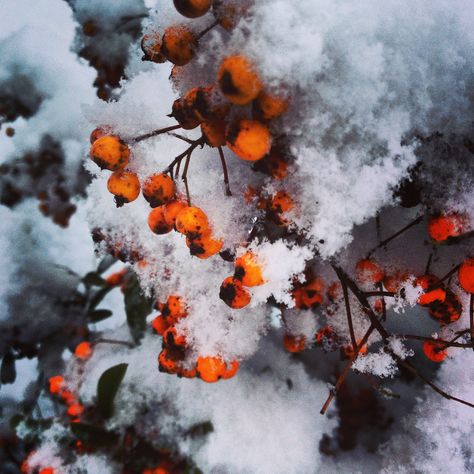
<point>210,369</point>
<point>249,270</point>
<point>214,132</point>
<point>367,271</point>
<point>294,343</point>
<point>178,44</point>
<point>204,246</point>
<point>157,221</point>
<point>250,140</point>
<point>210,104</point>
<point>192,222</point>
<point>466,275</point>
<point>169,361</point>
<point>116,278</point>
<point>159,189</point>
<point>433,291</point>
<point>174,309</point>
<point>269,106</point>
<point>110,152</point>
<point>228,13</point>
<point>309,295</point>
<point>171,210</point>
<point>100,132</point>
<point>238,80</point>
<point>125,186</point>
<point>151,47</point>
<point>347,351</point>
<point>184,114</point>
<point>234,294</point>
<point>56,384</point>
<point>172,338</point>
<point>435,351</point>
<point>447,311</point>
<point>192,8</point>
<point>445,226</point>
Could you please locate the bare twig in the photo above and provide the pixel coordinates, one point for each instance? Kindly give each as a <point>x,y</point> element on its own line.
<point>349,315</point>
<point>224,169</point>
<point>154,133</point>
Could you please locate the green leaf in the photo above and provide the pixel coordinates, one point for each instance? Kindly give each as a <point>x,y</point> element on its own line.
<point>93,436</point>
<point>99,315</point>
<point>94,279</point>
<point>15,420</point>
<point>8,369</point>
<point>107,387</point>
<point>137,308</point>
<point>106,263</point>
<point>200,429</point>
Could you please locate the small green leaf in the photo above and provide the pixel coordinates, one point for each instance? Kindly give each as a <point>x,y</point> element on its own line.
<point>106,263</point>
<point>99,315</point>
<point>94,279</point>
<point>15,420</point>
<point>93,436</point>
<point>107,387</point>
<point>137,308</point>
<point>8,369</point>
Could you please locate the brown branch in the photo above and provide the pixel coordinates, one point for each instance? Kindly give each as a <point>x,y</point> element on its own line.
<point>349,315</point>
<point>114,341</point>
<point>394,236</point>
<point>154,133</point>
<point>471,317</point>
<point>432,339</point>
<point>224,169</point>
<point>346,371</point>
<point>369,294</point>
<point>209,28</point>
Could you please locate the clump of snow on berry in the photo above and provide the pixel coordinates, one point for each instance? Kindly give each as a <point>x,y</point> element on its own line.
<point>280,262</point>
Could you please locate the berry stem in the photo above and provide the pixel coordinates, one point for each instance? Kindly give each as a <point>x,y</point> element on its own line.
<point>206,30</point>
<point>154,133</point>
<point>431,339</point>
<point>346,370</point>
<point>384,306</point>
<point>368,294</point>
<point>184,176</point>
<point>394,236</point>
<point>471,317</point>
<point>349,315</point>
<point>114,341</point>
<point>224,169</point>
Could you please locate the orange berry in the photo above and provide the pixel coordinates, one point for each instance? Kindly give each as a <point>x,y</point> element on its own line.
<point>367,271</point>
<point>174,309</point>
<point>326,337</point>
<point>231,369</point>
<point>191,221</point>
<point>159,189</point>
<point>347,351</point>
<point>160,325</point>
<point>68,397</point>
<point>334,291</point>
<point>294,343</point>
<point>394,282</point>
<point>210,369</point>
<point>83,350</point>
<point>466,275</point>
<point>248,139</point>
<point>445,226</point>
<point>432,290</point>
<point>116,279</point>
<point>56,384</point>
<point>100,132</point>
<point>187,373</point>
<point>192,8</point>
<point>435,351</point>
<point>178,44</point>
<point>209,103</point>
<point>185,114</point>
<point>169,361</point>
<point>228,13</point>
<point>124,185</point>
<point>273,164</point>
<point>171,210</point>
<point>237,80</point>
<point>151,47</point>
<point>268,106</point>
<point>109,152</point>
<point>281,202</point>
<point>75,409</point>
<point>204,246</point>
<point>310,295</point>
<point>172,338</point>
<point>157,221</point>
<point>213,132</point>
<point>447,311</point>
<point>248,270</point>
<point>46,470</point>
<point>234,294</point>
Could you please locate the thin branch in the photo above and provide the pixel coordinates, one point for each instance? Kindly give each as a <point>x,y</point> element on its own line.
<point>432,339</point>
<point>154,133</point>
<point>181,137</point>
<point>394,236</point>
<point>369,294</point>
<point>114,341</point>
<point>349,315</point>
<point>471,317</point>
<point>224,169</point>
<point>345,371</point>
<point>209,28</point>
